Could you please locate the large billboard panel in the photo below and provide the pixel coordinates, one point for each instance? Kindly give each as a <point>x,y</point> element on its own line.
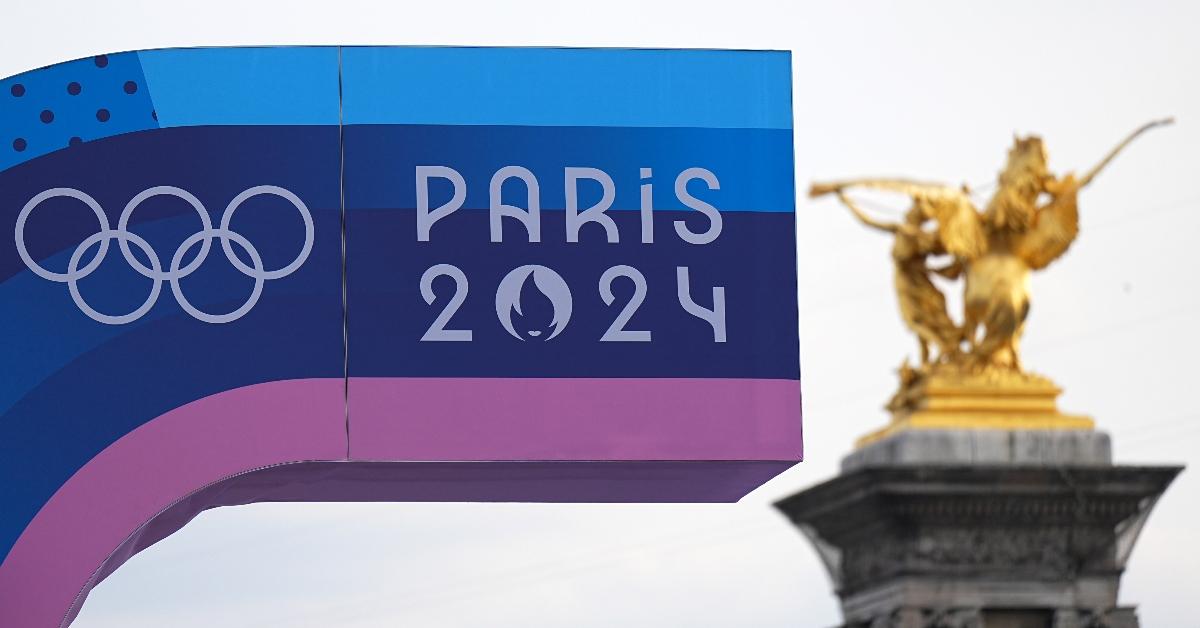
<point>401,274</point>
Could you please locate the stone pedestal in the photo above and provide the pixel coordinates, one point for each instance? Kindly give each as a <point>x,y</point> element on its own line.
<point>980,528</point>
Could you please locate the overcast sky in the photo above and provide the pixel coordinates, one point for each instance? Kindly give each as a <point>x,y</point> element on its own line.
<point>933,90</point>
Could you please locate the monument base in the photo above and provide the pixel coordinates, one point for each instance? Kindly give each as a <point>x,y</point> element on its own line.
<point>947,397</point>
<point>1037,447</point>
<point>980,528</point>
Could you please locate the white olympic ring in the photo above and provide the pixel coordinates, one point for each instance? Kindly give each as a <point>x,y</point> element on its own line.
<point>155,271</point>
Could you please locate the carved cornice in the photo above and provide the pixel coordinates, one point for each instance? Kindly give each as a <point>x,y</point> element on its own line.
<point>1043,523</point>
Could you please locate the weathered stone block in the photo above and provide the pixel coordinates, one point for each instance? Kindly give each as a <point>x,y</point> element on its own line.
<point>990,447</point>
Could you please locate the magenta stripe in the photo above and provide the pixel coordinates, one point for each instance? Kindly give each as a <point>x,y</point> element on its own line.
<point>574,419</point>
<point>129,494</point>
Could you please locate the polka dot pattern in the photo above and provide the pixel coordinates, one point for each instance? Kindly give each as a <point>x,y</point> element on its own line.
<point>70,104</point>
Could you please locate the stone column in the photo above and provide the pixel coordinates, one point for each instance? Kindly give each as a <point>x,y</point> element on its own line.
<point>980,528</point>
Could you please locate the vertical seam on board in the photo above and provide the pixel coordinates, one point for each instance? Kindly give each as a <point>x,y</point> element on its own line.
<point>345,308</point>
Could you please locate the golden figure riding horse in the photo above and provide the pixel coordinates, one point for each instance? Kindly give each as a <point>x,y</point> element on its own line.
<point>995,250</point>
<point>976,378</point>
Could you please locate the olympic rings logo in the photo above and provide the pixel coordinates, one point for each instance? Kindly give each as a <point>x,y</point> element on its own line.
<point>176,270</point>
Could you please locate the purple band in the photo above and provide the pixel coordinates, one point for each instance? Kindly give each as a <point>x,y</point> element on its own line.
<point>574,419</point>
<point>586,440</point>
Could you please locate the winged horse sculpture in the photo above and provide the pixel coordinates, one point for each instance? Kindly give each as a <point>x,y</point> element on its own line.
<point>1030,221</point>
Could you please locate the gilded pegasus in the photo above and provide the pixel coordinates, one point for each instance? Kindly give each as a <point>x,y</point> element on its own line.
<point>1030,221</point>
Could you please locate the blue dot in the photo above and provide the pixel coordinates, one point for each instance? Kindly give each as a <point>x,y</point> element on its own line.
<point>103,115</point>
<point>74,88</point>
<point>102,61</point>
<point>19,144</point>
<point>130,87</point>
<point>75,141</point>
<point>47,116</point>
<point>154,114</point>
<point>17,90</point>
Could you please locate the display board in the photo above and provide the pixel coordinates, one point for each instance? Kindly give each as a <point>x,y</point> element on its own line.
<point>394,274</point>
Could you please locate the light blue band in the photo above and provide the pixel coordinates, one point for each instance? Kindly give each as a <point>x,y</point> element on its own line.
<point>243,86</point>
<point>568,87</point>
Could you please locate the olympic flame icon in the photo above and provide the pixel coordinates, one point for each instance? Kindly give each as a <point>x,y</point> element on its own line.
<point>533,302</point>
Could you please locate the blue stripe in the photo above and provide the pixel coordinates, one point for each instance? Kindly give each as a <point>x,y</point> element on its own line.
<point>753,166</point>
<point>753,259</point>
<point>264,86</point>
<point>401,85</point>
<point>568,87</point>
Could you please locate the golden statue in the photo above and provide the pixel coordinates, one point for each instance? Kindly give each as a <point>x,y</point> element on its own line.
<point>976,380</point>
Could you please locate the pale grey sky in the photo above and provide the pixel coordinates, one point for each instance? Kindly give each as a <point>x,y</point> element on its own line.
<point>933,90</point>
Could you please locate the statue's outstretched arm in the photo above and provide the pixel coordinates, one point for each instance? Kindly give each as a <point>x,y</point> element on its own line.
<point>864,218</point>
<point>1087,178</point>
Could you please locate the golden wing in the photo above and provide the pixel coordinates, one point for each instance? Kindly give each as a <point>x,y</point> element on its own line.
<point>960,227</point>
<point>1054,227</point>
